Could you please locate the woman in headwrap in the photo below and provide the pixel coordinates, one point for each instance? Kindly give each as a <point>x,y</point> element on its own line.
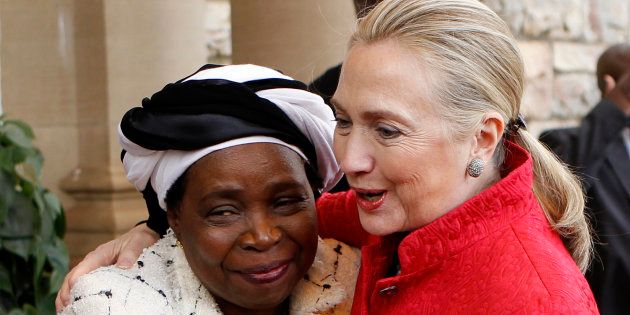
<point>235,155</point>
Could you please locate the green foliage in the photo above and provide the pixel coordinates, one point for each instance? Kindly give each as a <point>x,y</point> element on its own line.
<point>33,258</point>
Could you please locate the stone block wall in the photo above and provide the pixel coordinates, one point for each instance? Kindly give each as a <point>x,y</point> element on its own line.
<point>561,41</point>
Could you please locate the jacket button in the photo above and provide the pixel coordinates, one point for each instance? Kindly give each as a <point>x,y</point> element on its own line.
<point>391,290</point>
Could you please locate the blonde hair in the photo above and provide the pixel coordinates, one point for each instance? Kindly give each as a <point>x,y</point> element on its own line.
<point>473,51</point>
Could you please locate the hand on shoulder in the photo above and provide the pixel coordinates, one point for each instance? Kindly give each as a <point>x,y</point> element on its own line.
<point>122,252</point>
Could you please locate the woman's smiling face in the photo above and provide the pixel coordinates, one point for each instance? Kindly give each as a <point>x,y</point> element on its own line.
<point>247,223</point>
<point>390,142</point>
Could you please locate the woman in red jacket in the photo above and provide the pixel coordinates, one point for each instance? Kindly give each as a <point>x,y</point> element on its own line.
<point>456,207</point>
<point>472,214</point>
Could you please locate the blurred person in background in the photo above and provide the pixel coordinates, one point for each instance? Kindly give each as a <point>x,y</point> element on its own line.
<point>599,151</point>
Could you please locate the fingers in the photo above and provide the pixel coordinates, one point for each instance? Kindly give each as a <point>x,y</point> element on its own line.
<point>130,252</point>
<point>123,251</point>
<point>139,238</point>
<point>62,294</point>
<point>103,255</point>
<point>127,253</point>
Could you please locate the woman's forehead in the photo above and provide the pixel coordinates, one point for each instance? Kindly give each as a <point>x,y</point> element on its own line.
<point>383,75</point>
<point>247,171</point>
<point>247,157</point>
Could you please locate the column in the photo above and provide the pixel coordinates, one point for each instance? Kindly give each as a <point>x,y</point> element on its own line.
<point>125,50</point>
<point>71,69</point>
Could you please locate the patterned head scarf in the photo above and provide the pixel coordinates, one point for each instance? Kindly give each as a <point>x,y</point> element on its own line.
<point>219,107</point>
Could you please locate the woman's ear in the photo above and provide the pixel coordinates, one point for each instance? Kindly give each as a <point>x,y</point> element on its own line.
<point>488,136</point>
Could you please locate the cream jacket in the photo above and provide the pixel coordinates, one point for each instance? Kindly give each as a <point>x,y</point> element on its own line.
<point>161,282</point>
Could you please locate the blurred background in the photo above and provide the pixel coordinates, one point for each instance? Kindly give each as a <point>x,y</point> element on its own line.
<point>71,68</point>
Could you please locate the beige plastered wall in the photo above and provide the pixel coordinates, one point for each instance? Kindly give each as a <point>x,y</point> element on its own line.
<point>71,69</point>
<point>302,38</point>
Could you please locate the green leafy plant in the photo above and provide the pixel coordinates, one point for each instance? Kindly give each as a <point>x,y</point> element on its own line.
<point>33,257</point>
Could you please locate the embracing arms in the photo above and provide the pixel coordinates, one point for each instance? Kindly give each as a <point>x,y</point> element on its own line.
<point>337,218</point>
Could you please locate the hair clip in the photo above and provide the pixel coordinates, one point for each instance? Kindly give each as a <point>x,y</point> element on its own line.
<point>515,124</point>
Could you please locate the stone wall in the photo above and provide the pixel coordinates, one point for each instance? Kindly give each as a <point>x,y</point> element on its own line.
<point>561,41</point>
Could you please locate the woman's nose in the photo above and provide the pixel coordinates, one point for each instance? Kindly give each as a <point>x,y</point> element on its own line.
<point>353,155</point>
<point>262,234</point>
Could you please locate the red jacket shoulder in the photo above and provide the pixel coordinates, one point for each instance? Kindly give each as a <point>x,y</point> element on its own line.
<point>338,218</point>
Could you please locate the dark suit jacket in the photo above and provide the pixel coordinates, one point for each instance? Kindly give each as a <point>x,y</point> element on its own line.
<point>595,150</point>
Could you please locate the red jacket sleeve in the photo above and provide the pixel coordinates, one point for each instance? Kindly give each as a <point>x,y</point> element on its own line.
<point>338,218</point>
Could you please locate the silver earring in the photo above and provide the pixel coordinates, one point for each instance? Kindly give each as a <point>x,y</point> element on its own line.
<point>475,167</point>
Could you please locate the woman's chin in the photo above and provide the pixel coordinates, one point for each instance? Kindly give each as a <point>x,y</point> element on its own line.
<point>376,223</point>
<point>258,304</point>
<point>265,291</point>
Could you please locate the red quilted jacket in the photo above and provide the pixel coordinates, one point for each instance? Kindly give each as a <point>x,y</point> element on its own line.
<point>494,254</point>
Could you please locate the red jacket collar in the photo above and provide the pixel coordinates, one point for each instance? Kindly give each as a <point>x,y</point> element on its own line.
<point>491,210</point>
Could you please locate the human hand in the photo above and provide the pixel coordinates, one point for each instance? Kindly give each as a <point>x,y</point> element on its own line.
<point>123,251</point>
<point>620,93</point>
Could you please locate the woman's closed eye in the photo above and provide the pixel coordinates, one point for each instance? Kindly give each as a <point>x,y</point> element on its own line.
<point>387,131</point>
<point>223,214</point>
<point>289,205</point>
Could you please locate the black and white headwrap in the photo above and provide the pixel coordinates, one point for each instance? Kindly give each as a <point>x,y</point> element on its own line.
<point>220,107</point>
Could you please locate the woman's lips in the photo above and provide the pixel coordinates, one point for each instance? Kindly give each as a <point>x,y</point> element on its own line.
<point>370,200</point>
<point>265,273</point>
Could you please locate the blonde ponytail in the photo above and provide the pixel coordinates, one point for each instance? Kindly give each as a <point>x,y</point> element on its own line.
<point>560,194</point>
